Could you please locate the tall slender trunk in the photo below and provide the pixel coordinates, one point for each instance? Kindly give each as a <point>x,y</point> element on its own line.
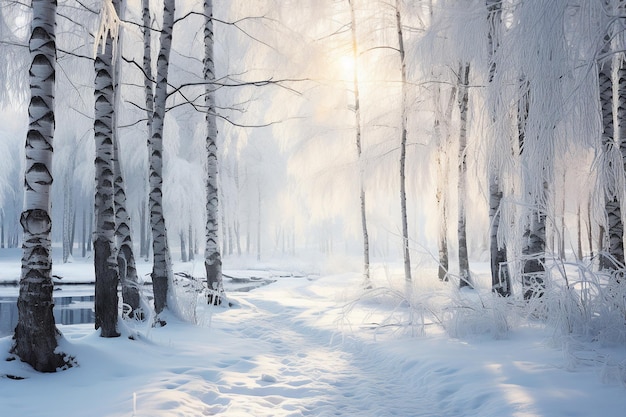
<point>183,246</point>
<point>125,249</point>
<point>105,261</point>
<point>84,234</point>
<point>72,230</point>
<point>500,275</point>
<point>621,136</point>
<point>149,100</point>
<point>579,247</point>
<point>67,212</point>
<point>534,236</point>
<point>403,140</point>
<point>126,252</point>
<point>443,142</point>
<point>36,335</point>
<point>612,253</point>
<point>238,237</point>
<point>191,239</point>
<point>248,232</point>
<point>2,228</point>
<point>561,236</point>
<point>212,255</point>
<point>161,270</point>
<point>90,230</point>
<point>589,229</point>
<point>357,116</point>
<point>442,180</point>
<point>142,232</point>
<point>463,99</point>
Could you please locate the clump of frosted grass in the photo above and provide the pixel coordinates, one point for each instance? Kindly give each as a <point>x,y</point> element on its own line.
<point>577,303</point>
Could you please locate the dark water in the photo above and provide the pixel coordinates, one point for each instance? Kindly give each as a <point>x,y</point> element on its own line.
<point>74,308</point>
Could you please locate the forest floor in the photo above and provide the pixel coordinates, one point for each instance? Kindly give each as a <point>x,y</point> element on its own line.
<point>316,345</point>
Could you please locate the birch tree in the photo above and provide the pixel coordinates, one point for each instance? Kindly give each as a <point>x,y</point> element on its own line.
<point>149,103</point>
<point>612,256</point>
<point>105,261</point>
<point>357,122</point>
<point>123,237</point>
<point>212,256</point>
<point>36,336</point>
<point>161,271</point>
<point>534,235</point>
<point>442,140</point>
<point>611,93</point>
<point>500,276</point>
<point>403,139</point>
<point>463,100</point>
<point>541,107</point>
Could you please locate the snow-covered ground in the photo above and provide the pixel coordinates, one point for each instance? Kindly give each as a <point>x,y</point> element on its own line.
<point>311,345</point>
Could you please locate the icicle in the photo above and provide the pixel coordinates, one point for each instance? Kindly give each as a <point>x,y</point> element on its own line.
<point>109,26</point>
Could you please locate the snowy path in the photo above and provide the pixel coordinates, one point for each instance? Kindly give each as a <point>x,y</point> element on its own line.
<point>290,365</point>
<point>299,371</point>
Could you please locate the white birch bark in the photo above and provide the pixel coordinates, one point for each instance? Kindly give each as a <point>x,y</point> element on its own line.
<point>440,193</point>
<point>149,100</point>
<point>617,232</point>
<point>617,235</point>
<point>534,236</point>
<point>161,271</point>
<point>212,255</point>
<point>125,252</point>
<point>442,139</point>
<point>123,236</point>
<point>500,275</point>
<point>36,335</point>
<point>105,262</point>
<point>612,255</point>
<point>67,212</point>
<point>403,140</point>
<point>463,99</point>
<point>367,283</point>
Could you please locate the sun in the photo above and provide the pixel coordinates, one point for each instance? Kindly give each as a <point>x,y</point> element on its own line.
<point>346,65</point>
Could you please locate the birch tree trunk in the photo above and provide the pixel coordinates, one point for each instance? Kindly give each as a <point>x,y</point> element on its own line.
<point>212,255</point>
<point>443,142</point>
<point>191,240</point>
<point>500,276</point>
<point>534,236</point>
<point>464,271</point>
<point>403,139</point>
<point>579,241</point>
<point>84,235</point>
<point>618,233</point>
<point>367,283</point>
<point>123,235</point>
<point>161,271</point>
<point>36,335</point>
<point>105,262</point>
<point>442,181</point>
<point>589,229</point>
<point>67,213</point>
<point>149,97</point>
<point>125,252</point>
<point>73,231</point>
<point>612,255</point>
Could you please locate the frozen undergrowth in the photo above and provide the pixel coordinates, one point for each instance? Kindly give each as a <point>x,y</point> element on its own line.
<point>582,312</point>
